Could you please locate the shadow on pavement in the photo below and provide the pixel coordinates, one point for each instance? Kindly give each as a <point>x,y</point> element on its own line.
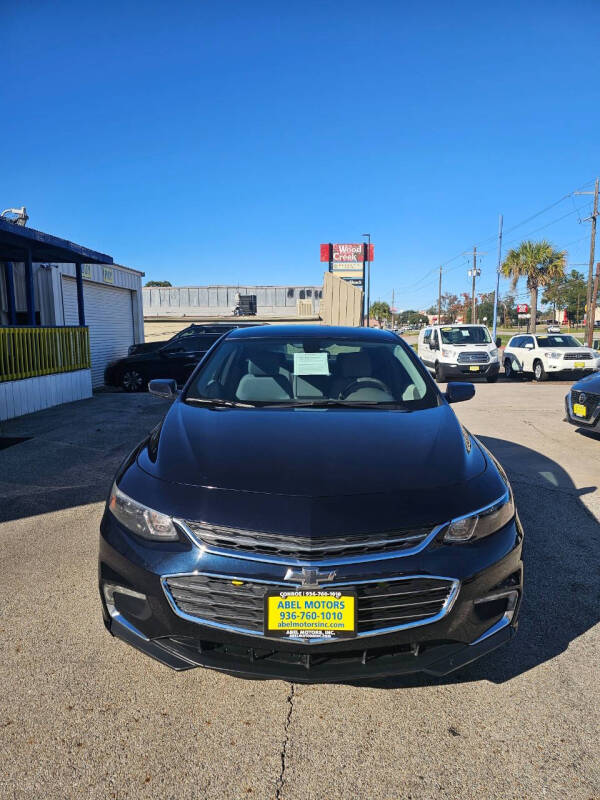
<point>71,451</point>
<point>562,572</point>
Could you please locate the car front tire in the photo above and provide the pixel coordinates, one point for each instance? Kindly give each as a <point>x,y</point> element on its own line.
<point>132,380</point>
<point>508,370</point>
<point>539,373</point>
<point>439,373</point>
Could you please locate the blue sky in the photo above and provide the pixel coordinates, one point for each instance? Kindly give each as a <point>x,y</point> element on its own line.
<point>222,142</point>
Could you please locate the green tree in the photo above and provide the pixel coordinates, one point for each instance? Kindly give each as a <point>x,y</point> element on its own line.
<point>411,317</point>
<point>158,283</point>
<point>539,263</point>
<point>568,292</point>
<point>380,311</point>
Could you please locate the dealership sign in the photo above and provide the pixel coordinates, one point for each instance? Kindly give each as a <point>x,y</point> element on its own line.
<point>347,253</point>
<point>523,308</point>
<point>347,261</point>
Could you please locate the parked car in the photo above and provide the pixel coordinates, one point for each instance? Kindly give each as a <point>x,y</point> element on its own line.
<point>453,351</point>
<point>311,509</point>
<point>209,329</point>
<point>553,329</point>
<point>548,354</point>
<point>583,403</point>
<point>174,358</point>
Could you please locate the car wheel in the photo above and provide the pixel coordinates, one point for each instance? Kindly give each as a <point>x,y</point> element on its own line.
<point>539,373</point>
<point>508,370</point>
<point>133,381</point>
<point>438,373</point>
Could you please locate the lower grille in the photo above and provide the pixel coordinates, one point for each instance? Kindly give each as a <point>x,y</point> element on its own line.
<point>577,356</point>
<point>398,603</point>
<point>307,548</point>
<point>478,357</point>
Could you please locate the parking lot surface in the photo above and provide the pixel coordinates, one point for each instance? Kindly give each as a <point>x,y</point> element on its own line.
<point>84,715</point>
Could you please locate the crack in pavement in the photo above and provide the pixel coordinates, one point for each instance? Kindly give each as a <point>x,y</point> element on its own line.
<point>286,738</point>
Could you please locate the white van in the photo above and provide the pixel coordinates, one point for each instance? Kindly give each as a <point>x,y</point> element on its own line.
<point>459,351</point>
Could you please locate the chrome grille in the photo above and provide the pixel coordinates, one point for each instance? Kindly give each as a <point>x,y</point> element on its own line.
<point>382,605</point>
<point>577,356</point>
<point>308,548</point>
<point>476,357</point>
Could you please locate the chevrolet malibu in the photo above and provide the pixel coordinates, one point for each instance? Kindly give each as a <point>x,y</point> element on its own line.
<point>311,509</point>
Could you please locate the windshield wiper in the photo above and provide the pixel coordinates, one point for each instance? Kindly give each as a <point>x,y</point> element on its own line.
<point>330,403</point>
<point>215,401</point>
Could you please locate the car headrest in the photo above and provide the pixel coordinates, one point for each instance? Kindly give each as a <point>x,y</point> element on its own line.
<point>264,364</point>
<point>354,365</point>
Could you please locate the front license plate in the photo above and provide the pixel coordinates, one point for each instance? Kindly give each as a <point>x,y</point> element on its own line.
<point>310,613</point>
<point>580,365</point>
<point>579,410</point>
<point>474,369</point>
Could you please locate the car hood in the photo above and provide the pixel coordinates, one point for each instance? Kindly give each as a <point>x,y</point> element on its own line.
<point>312,452</point>
<point>589,384</point>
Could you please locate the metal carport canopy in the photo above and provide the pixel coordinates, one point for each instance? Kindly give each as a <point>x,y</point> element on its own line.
<point>17,240</point>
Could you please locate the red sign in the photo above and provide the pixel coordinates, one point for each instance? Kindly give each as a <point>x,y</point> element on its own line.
<point>347,253</point>
<point>523,308</point>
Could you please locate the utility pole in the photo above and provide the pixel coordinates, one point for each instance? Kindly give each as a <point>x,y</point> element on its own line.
<point>474,274</point>
<point>589,313</point>
<point>440,299</point>
<point>392,308</point>
<point>594,299</point>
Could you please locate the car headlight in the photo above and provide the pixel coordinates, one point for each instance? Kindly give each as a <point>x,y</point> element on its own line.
<point>552,354</point>
<point>140,519</point>
<point>494,353</point>
<point>482,523</point>
<point>447,353</point>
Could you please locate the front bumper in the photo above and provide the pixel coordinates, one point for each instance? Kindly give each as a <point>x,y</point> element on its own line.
<point>592,424</point>
<point>463,371</point>
<point>143,616</point>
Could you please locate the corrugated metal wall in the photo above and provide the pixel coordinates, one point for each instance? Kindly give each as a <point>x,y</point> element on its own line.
<point>276,301</point>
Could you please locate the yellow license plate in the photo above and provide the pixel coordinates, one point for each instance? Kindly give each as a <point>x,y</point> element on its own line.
<point>579,365</point>
<point>474,369</point>
<point>310,613</point>
<point>579,410</point>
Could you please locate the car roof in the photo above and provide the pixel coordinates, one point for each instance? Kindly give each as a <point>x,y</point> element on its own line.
<point>313,332</point>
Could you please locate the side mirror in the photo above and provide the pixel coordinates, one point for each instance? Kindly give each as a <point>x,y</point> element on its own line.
<point>529,346</point>
<point>434,345</point>
<point>457,392</point>
<point>166,388</point>
<point>498,341</point>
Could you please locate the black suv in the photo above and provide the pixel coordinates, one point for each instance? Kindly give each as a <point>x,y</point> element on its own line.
<point>172,358</point>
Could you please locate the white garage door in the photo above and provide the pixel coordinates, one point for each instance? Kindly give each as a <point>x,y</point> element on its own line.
<point>109,316</point>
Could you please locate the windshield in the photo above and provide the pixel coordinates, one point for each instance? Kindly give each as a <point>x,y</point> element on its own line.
<point>558,341</point>
<point>312,371</point>
<point>465,334</point>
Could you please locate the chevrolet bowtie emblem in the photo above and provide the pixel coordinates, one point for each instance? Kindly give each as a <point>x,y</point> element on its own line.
<point>308,576</point>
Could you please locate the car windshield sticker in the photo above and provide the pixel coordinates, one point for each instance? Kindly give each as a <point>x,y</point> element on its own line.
<point>311,364</point>
<point>464,332</point>
<point>446,329</point>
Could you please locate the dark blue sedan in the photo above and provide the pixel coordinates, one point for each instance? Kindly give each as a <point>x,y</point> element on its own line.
<point>311,509</point>
<point>583,403</point>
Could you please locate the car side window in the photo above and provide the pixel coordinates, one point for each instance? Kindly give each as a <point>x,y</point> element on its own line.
<point>516,342</point>
<point>427,336</point>
<point>527,340</point>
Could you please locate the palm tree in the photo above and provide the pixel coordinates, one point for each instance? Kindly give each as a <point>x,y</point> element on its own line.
<point>540,263</point>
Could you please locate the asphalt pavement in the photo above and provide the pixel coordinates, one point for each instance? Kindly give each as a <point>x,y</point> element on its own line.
<point>83,715</point>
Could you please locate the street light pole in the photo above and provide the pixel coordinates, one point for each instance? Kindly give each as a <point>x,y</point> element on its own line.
<point>368,236</point>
